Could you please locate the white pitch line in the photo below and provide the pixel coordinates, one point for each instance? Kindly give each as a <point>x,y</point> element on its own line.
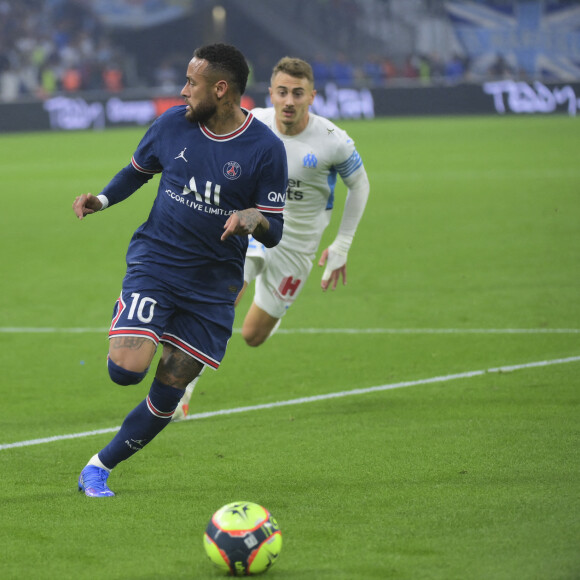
<point>89,330</point>
<point>303,400</point>
<point>426,330</point>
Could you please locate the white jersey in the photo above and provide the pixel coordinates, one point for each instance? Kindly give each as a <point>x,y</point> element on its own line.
<point>315,157</point>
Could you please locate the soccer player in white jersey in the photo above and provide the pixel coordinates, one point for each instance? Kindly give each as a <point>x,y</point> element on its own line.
<point>317,151</point>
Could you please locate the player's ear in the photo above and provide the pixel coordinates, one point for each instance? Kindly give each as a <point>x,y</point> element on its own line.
<point>312,95</point>
<point>221,88</point>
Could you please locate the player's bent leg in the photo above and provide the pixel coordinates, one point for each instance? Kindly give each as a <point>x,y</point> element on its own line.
<point>124,377</point>
<point>176,368</point>
<point>258,326</point>
<point>139,428</point>
<point>129,359</point>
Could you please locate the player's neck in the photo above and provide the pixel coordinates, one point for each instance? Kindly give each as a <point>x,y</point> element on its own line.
<point>294,128</point>
<point>226,120</point>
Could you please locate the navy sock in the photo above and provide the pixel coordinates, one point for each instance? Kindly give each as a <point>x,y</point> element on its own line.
<point>142,424</point>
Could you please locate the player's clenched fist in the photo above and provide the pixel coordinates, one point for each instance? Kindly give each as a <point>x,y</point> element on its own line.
<point>86,204</point>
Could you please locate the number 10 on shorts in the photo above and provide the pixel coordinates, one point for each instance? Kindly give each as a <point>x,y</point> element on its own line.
<point>144,307</point>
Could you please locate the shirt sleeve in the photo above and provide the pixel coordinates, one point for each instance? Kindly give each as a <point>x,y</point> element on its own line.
<point>273,235</point>
<point>144,165</point>
<point>354,176</point>
<point>146,159</point>
<point>351,163</point>
<point>356,199</point>
<point>125,183</point>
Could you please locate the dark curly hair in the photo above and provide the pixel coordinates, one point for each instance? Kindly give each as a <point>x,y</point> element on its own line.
<point>227,60</point>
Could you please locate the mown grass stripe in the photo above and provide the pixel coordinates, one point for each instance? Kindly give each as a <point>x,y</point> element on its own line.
<point>312,399</point>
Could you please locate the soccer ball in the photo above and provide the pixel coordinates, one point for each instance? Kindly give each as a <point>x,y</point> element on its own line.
<point>242,538</point>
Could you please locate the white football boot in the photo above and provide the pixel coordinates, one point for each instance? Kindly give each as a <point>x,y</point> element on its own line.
<point>183,407</point>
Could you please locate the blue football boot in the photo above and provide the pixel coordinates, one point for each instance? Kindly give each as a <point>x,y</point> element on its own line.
<point>93,481</point>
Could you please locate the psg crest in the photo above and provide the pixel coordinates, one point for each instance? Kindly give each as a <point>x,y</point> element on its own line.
<point>232,170</point>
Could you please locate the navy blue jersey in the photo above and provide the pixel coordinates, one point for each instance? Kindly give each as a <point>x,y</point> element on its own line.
<point>204,179</point>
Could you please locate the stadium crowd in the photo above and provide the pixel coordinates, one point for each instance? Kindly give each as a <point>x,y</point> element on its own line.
<point>61,46</point>
<point>55,45</point>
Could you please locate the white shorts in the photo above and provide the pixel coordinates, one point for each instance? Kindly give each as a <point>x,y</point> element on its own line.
<point>280,279</point>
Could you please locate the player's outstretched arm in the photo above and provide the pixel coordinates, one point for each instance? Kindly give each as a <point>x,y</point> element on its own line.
<point>334,257</point>
<point>86,204</point>
<point>125,183</point>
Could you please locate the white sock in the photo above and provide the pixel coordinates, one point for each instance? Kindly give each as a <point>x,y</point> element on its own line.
<point>94,460</point>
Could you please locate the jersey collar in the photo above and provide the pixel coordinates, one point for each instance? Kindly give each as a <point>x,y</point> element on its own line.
<point>231,135</point>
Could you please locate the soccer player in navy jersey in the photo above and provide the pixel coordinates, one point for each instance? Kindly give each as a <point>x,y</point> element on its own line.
<point>223,177</point>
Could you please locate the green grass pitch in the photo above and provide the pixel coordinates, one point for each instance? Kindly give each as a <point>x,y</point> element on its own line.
<point>467,259</point>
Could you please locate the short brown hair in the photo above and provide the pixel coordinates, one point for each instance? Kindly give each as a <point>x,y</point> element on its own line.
<point>295,67</point>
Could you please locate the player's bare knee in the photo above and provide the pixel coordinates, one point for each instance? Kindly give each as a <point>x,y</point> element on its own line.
<point>253,338</point>
<point>255,341</point>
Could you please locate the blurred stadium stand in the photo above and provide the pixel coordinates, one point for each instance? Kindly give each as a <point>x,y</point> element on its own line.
<point>69,47</point>
<point>74,64</point>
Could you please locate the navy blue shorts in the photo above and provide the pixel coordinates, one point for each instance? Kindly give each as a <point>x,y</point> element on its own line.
<point>149,308</point>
